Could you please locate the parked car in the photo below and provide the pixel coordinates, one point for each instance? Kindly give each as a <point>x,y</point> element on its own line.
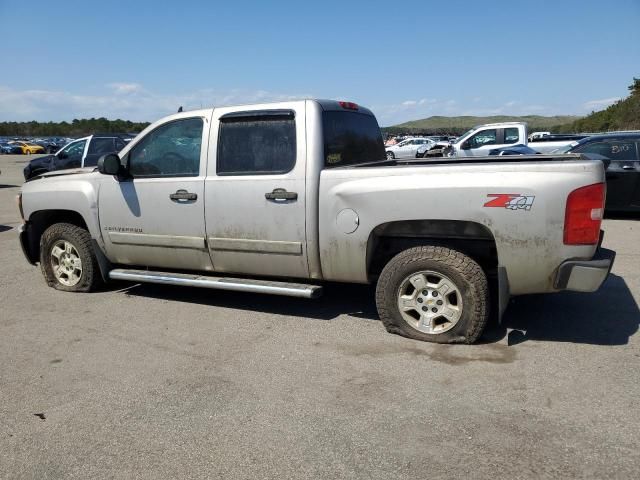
<point>621,155</point>
<point>513,150</point>
<point>52,145</point>
<point>27,148</point>
<point>536,135</point>
<point>80,153</point>
<point>302,189</point>
<point>10,148</point>
<point>407,148</point>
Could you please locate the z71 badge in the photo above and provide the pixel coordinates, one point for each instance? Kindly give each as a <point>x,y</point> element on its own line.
<point>512,201</point>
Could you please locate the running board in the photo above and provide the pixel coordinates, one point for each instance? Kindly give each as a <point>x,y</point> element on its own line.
<point>301,290</point>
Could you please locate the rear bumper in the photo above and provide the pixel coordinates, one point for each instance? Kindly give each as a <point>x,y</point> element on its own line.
<point>585,275</point>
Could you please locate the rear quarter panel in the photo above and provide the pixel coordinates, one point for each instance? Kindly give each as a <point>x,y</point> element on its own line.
<point>529,242</point>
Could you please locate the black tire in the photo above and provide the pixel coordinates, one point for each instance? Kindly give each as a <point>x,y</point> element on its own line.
<point>80,239</point>
<point>464,272</point>
<point>390,156</point>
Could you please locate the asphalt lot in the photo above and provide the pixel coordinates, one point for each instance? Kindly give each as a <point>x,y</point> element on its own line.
<point>167,382</point>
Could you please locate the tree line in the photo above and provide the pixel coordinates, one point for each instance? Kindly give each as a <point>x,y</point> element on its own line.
<point>75,128</point>
<point>622,115</point>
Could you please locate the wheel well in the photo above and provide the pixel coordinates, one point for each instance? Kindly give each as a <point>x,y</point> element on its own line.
<point>473,239</point>
<point>41,220</point>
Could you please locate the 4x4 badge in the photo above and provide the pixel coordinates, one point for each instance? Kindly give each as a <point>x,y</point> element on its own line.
<point>512,201</point>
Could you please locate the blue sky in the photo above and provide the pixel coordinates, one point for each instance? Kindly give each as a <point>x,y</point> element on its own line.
<point>140,60</point>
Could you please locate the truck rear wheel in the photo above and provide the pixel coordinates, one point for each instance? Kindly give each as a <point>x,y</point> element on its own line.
<point>67,259</point>
<point>433,294</point>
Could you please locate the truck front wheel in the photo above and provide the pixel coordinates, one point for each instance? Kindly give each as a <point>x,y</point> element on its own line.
<point>67,259</point>
<point>433,294</point>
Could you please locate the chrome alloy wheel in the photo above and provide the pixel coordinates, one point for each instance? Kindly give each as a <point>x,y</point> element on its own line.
<point>430,302</point>
<point>66,263</point>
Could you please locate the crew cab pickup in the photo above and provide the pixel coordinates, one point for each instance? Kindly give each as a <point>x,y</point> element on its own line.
<point>279,198</point>
<point>480,140</point>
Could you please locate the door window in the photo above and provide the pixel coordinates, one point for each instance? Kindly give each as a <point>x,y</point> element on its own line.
<point>73,151</point>
<point>511,135</point>
<point>255,145</point>
<point>101,145</point>
<point>485,137</point>
<point>171,150</point>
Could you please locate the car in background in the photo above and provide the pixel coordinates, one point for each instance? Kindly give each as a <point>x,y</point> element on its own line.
<point>537,135</point>
<point>620,152</point>
<point>51,145</point>
<point>513,150</point>
<point>407,148</point>
<point>10,148</point>
<point>83,152</point>
<point>27,148</point>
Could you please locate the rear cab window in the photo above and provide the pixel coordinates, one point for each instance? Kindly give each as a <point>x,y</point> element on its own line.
<point>351,138</point>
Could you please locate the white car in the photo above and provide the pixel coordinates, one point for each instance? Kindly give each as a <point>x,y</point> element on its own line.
<point>407,148</point>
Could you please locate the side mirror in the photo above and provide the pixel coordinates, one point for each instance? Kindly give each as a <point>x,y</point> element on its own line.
<point>109,164</point>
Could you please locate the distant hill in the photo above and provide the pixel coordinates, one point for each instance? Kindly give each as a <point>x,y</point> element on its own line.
<point>457,125</point>
<point>622,115</point>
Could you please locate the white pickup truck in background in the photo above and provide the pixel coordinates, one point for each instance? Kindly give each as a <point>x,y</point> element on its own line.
<point>480,140</point>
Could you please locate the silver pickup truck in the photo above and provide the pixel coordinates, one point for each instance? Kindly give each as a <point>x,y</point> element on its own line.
<point>278,198</point>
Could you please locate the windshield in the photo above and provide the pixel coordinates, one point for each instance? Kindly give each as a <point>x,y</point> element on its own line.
<point>468,132</point>
<point>351,138</point>
<point>566,148</point>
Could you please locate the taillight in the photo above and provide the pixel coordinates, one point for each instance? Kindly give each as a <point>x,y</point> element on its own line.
<point>583,215</point>
<point>349,105</point>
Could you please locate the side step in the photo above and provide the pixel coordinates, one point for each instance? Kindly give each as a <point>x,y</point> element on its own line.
<point>301,290</point>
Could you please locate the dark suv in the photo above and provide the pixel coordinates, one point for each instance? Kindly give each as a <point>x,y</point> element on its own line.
<point>83,152</point>
<point>621,155</point>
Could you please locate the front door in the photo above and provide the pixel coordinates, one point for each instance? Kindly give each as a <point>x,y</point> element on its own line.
<point>255,191</point>
<point>70,156</point>
<point>156,217</point>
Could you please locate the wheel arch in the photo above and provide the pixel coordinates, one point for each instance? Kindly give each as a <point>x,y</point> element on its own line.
<point>40,220</point>
<point>470,238</point>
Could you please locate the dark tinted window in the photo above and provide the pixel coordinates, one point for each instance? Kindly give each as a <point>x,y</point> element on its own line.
<point>119,144</point>
<point>612,149</point>
<point>351,138</point>
<point>171,150</point>
<point>256,145</point>
<point>101,145</point>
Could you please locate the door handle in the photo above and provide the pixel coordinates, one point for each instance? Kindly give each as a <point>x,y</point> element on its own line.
<point>183,195</point>
<point>628,167</point>
<point>280,194</point>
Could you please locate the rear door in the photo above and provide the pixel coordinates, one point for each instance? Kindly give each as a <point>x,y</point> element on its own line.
<point>255,191</point>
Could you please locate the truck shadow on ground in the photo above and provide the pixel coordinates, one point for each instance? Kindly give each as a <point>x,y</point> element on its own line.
<point>607,317</point>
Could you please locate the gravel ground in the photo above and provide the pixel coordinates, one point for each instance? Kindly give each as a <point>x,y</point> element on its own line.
<point>168,382</point>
